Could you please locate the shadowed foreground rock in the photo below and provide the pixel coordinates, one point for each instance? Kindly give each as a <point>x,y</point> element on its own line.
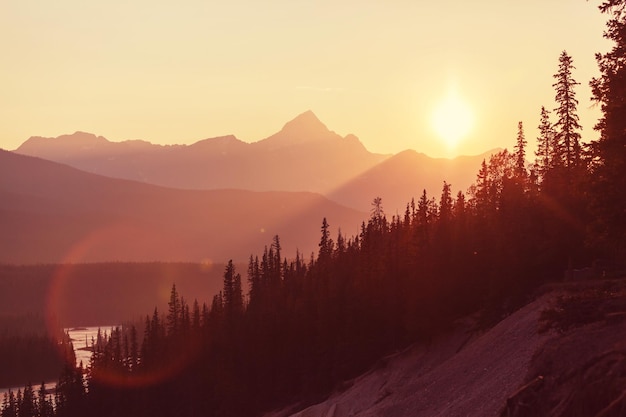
<point>563,354</point>
<point>466,373</point>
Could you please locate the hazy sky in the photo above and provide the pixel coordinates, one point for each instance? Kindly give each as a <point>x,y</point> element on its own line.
<point>178,72</point>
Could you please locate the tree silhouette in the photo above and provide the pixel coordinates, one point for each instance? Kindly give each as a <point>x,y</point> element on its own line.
<point>547,145</point>
<point>174,310</point>
<point>609,151</point>
<point>326,243</point>
<point>567,126</point>
<point>520,152</point>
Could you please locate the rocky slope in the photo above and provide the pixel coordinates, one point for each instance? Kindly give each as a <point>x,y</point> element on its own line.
<point>563,354</point>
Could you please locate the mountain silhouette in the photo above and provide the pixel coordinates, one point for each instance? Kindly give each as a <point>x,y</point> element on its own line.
<point>303,156</point>
<point>52,213</point>
<point>305,128</point>
<point>404,176</point>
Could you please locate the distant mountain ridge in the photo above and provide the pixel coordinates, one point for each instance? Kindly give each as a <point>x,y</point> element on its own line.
<point>52,213</point>
<point>303,156</point>
<point>405,175</point>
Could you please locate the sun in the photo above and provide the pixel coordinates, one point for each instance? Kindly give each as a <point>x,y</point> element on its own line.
<point>452,119</point>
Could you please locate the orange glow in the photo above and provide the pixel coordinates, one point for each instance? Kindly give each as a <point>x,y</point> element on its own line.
<point>452,119</point>
<point>165,72</point>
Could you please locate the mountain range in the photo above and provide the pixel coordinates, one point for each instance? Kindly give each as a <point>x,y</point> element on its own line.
<point>82,198</point>
<point>303,156</point>
<point>51,213</point>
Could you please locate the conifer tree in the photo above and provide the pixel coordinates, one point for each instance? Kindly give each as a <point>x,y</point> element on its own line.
<point>545,144</point>
<point>520,152</point>
<point>609,151</point>
<point>28,406</point>
<point>275,274</point>
<point>423,209</point>
<point>481,189</point>
<point>341,243</point>
<point>229,288</point>
<point>44,403</point>
<point>567,126</point>
<point>237,301</point>
<point>195,315</point>
<point>173,312</point>
<point>446,203</point>
<point>254,281</point>
<point>459,205</point>
<point>326,243</point>
<point>9,405</point>
<point>377,209</point>
<point>217,308</point>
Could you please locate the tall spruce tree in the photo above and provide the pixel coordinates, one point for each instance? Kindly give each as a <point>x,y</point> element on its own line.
<point>326,243</point>
<point>567,126</point>
<point>445,203</point>
<point>609,151</point>
<point>520,151</point>
<point>173,311</point>
<point>233,296</point>
<point>545,144</point>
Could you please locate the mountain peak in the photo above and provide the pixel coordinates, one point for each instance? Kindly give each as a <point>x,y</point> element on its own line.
<point>304,128</point>
<point>83,139</point>
<point>62,145</point>
<point>307,124</point>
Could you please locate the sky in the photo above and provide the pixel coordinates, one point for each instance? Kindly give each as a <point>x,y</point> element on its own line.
<point>178,72</point>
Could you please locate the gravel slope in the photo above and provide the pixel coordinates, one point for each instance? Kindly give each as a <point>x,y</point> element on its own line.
<point>463,374</point>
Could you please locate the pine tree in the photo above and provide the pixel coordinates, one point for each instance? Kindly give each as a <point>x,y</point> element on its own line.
<point>377,208</point>
<point>9,405</point>
<point>341,243</point>
<point>445,203</point>
<point>423,209</point>
<point>567,126</point>
<point>44,403</point>
<point>237,301</point>
<point>274,259</point>
<point>173,312</point>
<point>326,243</point>
<point>520,152</point>
<point>217,308</point>
<point>28,406</point>
<point>609,151</point>
<point>545,144</point>
<point>229,287</point>
<point>482,188</point>
<point>195,316</point>
<point>459,205</point>
<point>254,281</point>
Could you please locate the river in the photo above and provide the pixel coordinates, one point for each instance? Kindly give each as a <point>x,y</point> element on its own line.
<point>81,338</point>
